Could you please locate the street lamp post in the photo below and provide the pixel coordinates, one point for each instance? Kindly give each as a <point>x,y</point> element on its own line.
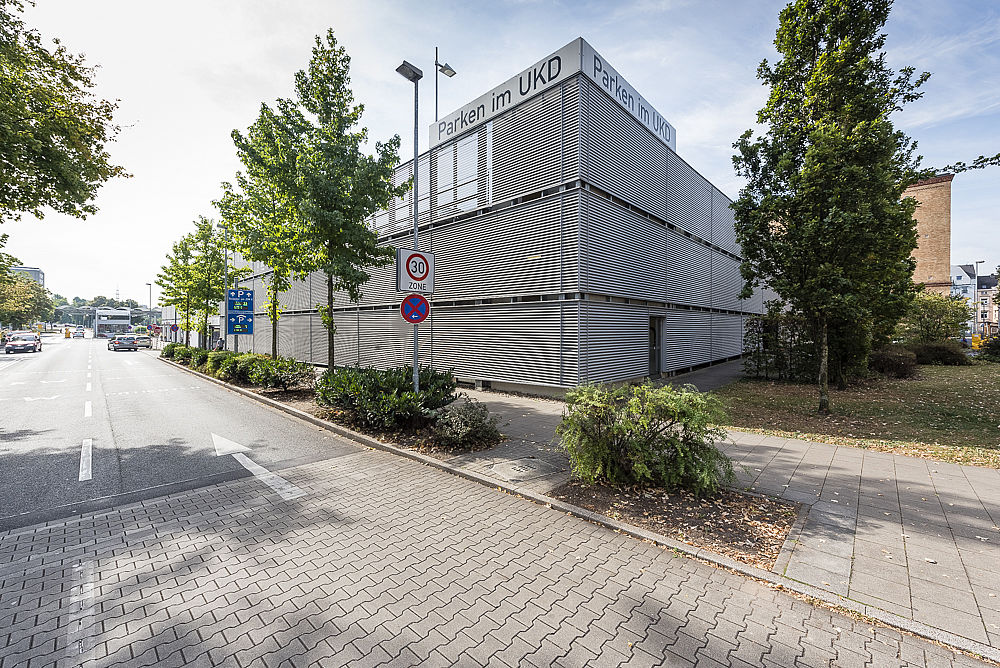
<point>149,318</point>
<point>445,69</point>
<point>414,74</point>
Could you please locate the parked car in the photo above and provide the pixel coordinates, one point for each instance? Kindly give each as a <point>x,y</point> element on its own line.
<point>143,341</point>
<point>78,333</point>
<point>122,342</point>
<point>22,343</point>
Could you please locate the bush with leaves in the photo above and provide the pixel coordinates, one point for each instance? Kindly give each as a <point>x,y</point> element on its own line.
<point>894,361</point>
<point>182,354</point>
<point>169,349</point>
<point>383,399</point>
<point>646,435</point>
<point>467,427</point>
<point>947,353</point>
<point>990,349</point>
<point>215,359</point>
<point>283,372</point>
<point>199,356</point>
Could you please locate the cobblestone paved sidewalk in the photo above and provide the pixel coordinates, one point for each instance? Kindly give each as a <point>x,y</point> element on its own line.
<point>387,561</point>
<point>912,537</point>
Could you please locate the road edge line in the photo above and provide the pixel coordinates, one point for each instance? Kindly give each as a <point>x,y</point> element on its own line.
<point>888,618</point>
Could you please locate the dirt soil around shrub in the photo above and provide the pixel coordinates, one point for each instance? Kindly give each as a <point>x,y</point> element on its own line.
<point>743,527</point>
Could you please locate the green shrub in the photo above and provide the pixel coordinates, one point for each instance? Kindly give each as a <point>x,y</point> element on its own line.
<point>169,349</point>
<point>646,435</point>
<point>894,361</point>
<point>948,353</point>
<point>183,354</point>
<point>238,368</point>
<point>283,372</point>
<point>228,367</point>
<point>198,357</point>
<point>215,359</point>
<point>990,349</point>
<point>466,427</point>
<point>384,398</point>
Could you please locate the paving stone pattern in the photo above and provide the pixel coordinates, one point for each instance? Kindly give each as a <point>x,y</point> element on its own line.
<point>386,561</point>
<point>914,537</point>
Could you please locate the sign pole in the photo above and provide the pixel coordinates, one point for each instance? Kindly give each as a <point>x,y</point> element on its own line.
<point>416,196</point>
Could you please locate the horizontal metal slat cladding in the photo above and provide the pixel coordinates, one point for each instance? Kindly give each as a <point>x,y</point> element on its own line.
<point>727,335</point>
<point>687,338</point>
<point>617,340</point>
<point>687,271</point>
<point>689,198</point>
<point>726,282</point>
<point>620,154</point>
<point>723,223</point>
<point>532,343</point>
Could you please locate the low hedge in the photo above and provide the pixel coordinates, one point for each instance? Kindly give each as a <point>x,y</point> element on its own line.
<point>990,349</point>
<point>199,356</point>
<point>169,349</point>
<point>215,359</point>
<point>383,399</point>
<point>182,354</point>
<point>894,361</point>
<point>947,353</point>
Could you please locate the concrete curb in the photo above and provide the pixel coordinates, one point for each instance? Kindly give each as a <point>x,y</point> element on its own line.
<point>887,618</point>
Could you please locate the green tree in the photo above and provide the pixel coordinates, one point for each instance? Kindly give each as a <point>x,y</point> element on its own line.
<point>78,302</point>
<point>6,261</point>
<point>260,212</point>
<point>23,301</point>
<point>337,185</point>
<point>59,300</point>
<point>175,281</point>
<point>822,220</point>
<point>933,317</point>
<point>208,287</point>
<point>53,131</point>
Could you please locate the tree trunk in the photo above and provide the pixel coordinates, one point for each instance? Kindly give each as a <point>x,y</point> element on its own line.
<point>824,361</point>
<point>274,322</point>
<point>330,330</point>
<point>187,320</point>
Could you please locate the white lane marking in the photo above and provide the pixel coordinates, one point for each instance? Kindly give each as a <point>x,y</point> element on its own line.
<point>54,396</point>
<point>88,409</point>
<point>19,382</point>
<point>89,375</point>
<point>285,489</point>
<point>130,362</point>
<point>223,446</point>
<point>53,381</point>
<point>88,387</point>
<point>88,367</point>
<point>85,457</point>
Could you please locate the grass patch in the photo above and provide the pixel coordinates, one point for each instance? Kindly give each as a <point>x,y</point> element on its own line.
<point>949,414</point>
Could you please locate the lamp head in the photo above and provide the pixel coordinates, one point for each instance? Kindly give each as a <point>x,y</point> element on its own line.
<point>410,72</point>
<point>446,69</point>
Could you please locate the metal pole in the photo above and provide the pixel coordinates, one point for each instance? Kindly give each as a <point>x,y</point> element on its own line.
<point>436,66</point>
<point>416,196</point>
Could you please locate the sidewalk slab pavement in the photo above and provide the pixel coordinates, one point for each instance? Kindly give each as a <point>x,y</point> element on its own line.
<point>388,561</point>
<point>913,537</point>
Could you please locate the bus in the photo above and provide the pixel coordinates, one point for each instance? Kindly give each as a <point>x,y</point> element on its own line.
<point>111,321</point>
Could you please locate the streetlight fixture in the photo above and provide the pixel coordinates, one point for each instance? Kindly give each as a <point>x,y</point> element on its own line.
<point>413,73</point>
<point>445,69</point>
<point>975,298</point>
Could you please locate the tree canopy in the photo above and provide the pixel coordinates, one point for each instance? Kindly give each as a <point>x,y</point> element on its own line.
<point>53,131</point>
<point>933,317</point>
<point>23,301</point>
<point>822,219</point>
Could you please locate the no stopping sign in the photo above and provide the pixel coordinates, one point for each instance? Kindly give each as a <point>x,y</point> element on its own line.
<point>415,309</point>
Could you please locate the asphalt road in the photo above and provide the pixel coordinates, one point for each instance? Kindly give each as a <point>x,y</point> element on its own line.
<point>148,427</point>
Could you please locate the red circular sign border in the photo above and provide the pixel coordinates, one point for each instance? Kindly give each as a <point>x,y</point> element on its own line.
<point>426,264</point>
<point>408,298</point>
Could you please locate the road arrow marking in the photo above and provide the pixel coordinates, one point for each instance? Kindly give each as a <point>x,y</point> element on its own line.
<point>223,446</point>
<point>284,489</point>
<point>55,396</point>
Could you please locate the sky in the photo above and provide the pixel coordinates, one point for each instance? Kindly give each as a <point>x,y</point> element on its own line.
<point>188,72</point>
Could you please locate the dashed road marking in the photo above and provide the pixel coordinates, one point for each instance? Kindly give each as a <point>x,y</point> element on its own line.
<point>89,387</point>
<point>88,409</point>
<point>86,451</point>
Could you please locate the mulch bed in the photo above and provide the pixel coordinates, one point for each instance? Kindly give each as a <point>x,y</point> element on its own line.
<point>749,529</point>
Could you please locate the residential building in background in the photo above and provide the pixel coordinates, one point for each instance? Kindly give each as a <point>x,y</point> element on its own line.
<point>987,305</point>
<point>572,244</point>
<point>34,273</point>
<point>933,216</point>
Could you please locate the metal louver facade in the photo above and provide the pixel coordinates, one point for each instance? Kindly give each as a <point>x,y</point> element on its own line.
<point>572,245</point>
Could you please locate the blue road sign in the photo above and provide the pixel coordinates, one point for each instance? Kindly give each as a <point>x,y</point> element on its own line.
<point>415,309</point>
<point>239,323</point>
<point>240,301</point>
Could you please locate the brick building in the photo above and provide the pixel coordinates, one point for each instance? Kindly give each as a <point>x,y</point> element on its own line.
<point>933,216</point>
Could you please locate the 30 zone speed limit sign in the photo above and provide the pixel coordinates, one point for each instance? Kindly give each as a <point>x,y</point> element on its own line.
<point>414,271</point>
